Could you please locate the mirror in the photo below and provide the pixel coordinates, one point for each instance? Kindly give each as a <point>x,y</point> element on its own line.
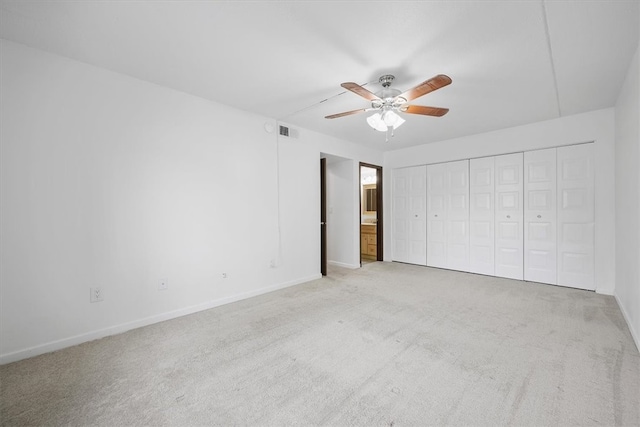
<point>369,199</point>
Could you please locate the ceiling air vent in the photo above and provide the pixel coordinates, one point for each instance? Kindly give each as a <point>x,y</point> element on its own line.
<point>284,131</point>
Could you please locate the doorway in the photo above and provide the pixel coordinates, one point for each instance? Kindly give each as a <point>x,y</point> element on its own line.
<point>371,242</point>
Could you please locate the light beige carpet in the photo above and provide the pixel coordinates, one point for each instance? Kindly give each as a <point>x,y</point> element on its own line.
<point>388,344</point>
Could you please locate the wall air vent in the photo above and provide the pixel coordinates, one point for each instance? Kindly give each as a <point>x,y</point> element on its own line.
<point>288,132</point>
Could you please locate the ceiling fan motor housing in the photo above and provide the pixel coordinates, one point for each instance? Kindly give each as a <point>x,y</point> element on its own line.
<point>386,80</point>
<point>388,97</point>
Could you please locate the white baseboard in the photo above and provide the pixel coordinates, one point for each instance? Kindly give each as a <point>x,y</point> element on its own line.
<point>605,291</point>
<point>343,264</point>
<point>634,333</point>
<point>124,327</point>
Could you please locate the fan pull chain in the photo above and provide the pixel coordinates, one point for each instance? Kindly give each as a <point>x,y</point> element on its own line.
<point>387,134</point>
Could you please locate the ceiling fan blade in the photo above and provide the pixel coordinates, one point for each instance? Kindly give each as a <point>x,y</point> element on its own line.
<point>425,87</point>
<point>359,90</point>
<point>346,113</point>
<point>425,111</point>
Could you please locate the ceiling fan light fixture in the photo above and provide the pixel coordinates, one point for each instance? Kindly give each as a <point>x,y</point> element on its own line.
<point>376,122</point>
<point>391,119</point>
<point>382,122</point>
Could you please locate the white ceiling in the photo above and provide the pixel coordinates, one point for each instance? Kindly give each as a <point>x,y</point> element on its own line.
<point>511,62</point>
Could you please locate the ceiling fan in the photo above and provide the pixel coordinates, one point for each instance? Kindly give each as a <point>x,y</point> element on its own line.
<point>388,102</point>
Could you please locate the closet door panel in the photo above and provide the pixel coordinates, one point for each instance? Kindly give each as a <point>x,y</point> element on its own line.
<point>509,211</point>
<point>457,227</point>
<point>409,213</point>
<point>401,212</point>
<point>437,215</point>
<point>417,219</point>
<point>576,216</point>
<point>481,216</point>
<point>540,236</point>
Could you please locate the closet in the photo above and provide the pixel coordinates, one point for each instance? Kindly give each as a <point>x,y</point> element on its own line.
<point>540,234</point>
<point>509,216</point>
<point>409,215</point>
<point>576,216</point>
<point>481,215</point>
<point>526,216</point>
<point>448,215</point>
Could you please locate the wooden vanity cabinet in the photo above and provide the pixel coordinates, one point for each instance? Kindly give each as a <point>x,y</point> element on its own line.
<point>368,241</point>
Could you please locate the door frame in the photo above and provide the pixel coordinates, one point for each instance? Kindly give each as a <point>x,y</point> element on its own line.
<point>379,214</point>
<point>323,216</point>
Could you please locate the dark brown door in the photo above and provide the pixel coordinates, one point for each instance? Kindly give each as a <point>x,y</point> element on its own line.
<point>323,217</point>
<point>379,205</point>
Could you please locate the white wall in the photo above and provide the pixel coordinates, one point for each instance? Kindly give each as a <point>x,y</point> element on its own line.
<point>114,182</point>
<point>627,290</point>
<point>342,213</point>
<point>596,126</point>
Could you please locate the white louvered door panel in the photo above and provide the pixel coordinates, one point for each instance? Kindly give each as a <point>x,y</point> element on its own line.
<point>540,236</point>
<point>437,215</point>
<point>481,216</point>
<point>457,225</point>
<point>576,216</point>
<point>509,211</point>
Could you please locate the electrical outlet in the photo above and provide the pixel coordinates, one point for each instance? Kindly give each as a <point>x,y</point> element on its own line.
<point>163,284</point>
<point>96,295</point>
<point>224,275</point>
<point>273,263</point>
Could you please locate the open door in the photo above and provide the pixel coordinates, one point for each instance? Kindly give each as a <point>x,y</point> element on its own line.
<point>323,217</point>
<point>371,230</point>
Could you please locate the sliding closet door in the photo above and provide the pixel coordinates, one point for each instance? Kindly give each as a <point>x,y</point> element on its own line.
<point>540,235</point>
<point>509,213</point>
<point>457,229</point>
<point>576,216</point>
<point>481,215</point>
<point>437,215</point>
<point>409,215</point>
